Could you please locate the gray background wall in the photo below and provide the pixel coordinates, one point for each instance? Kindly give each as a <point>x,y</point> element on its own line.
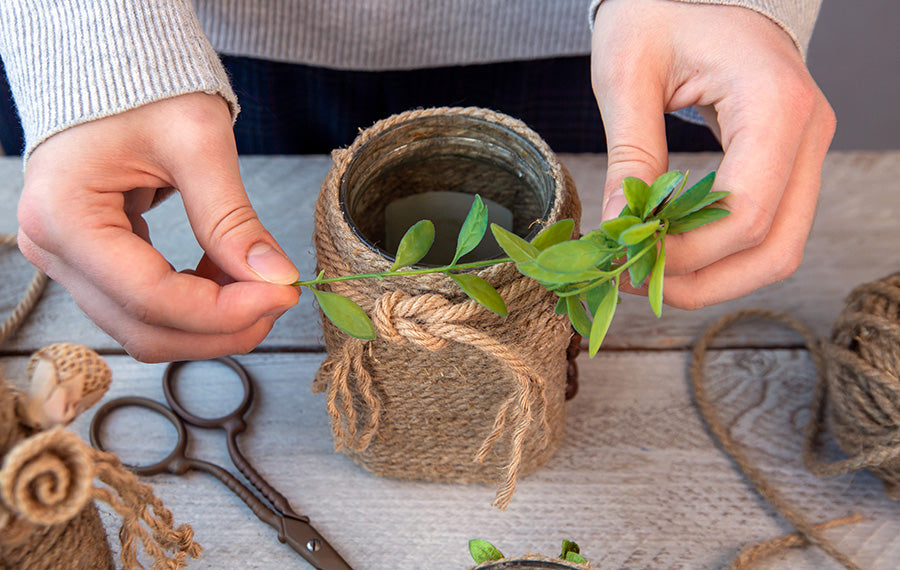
<point>854,56</point>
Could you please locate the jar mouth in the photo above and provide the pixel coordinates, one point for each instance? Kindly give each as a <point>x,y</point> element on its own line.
<point>446,153</point>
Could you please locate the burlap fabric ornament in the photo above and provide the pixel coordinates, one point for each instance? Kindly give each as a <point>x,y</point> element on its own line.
<point>448,391</point>
<point>48,518</point>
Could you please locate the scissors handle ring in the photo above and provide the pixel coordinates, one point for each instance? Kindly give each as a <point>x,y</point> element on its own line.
<point>139,402</point>
<point>238,413</point>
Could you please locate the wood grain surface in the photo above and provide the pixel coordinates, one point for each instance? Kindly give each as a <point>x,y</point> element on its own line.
<point>638,482</point>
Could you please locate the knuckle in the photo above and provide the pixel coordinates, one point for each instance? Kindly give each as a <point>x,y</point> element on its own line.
<point>239,220</point>
<point>634,158</point>
<point>755,227</point>
<point>786,263</point>
<point>693,303</point>
<point>140,310</point>
<point>34,216</point>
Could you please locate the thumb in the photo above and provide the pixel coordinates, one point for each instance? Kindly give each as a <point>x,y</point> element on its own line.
<point>229,231</point>
<point>634,121</point>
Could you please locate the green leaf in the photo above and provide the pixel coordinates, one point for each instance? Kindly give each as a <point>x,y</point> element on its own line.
<point>638,232</point>
<point>561,307</point>
<point>572,256</point>
<point>481,291</point>
<point>661,188</point>
<point>641,268</point>
<point>636,194</point>
<point>697,219</point>
<point>552,235</point>
<point>614,227</point>
<point>600,237</point>
<point>569,546</point>
<point>578,316</point>
<point>415,244</point>
<point>535,271</point>
<point>472,230</point>
<point>595,295</point>
<point>514,246</point>
<point>656,280</point>
<point>688,200</point>
<point>711,198</point>
<point>345,314</point>
<point>602,318</point>
<point>575,557</point>
<point>483,551</point>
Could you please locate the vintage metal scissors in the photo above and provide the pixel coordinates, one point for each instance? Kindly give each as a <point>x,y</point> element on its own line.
<point>292,528</point>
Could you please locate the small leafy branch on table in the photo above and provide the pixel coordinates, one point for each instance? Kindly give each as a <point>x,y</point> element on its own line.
<point>584,272</point>
<point>483,551</point>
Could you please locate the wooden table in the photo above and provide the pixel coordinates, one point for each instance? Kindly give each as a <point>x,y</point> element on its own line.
<point>638,482</point>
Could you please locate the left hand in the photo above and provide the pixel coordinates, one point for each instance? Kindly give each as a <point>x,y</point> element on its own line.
<point>747,78</point>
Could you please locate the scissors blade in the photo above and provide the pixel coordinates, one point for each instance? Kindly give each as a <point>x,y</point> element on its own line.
<point>312,546</point>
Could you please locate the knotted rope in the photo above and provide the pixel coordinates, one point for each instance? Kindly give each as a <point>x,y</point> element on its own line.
<point>431,322</point>
<point>857,395</point>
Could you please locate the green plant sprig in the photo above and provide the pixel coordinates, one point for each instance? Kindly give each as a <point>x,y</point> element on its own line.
<point>483,551</point>
<point>584,273</point>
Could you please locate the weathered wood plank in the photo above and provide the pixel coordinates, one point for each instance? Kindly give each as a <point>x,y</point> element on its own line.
<point>638,483</point>
<point>839,255</point>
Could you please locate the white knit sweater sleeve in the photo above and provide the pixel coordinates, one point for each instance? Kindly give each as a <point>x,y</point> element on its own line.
<point>72,61</point>
<point>796,17</point>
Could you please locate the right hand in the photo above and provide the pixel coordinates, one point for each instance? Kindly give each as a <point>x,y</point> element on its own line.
<point>80,221</point>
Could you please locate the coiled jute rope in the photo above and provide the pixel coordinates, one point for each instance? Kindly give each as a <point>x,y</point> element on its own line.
<point>446,382</point>
<point>857,399</point>
<point>29,299</point>
<point>47,515</point>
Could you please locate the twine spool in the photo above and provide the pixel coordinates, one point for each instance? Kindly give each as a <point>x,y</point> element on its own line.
<point>446,382</point>
<point>857,399</point>
<point>863,381</point>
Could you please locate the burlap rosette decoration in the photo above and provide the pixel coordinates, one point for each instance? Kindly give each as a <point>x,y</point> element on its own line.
<point>448,391</point>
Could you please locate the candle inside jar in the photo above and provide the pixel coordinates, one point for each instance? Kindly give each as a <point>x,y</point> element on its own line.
<point>447,211</point>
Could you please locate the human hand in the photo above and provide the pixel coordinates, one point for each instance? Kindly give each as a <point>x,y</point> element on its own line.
<point>747,78</point>
<point>80,218</point>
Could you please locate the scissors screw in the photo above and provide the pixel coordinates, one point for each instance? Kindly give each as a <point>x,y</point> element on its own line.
<point>314,545</point>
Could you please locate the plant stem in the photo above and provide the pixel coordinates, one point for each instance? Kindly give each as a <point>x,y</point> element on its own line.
<point>383,274</point>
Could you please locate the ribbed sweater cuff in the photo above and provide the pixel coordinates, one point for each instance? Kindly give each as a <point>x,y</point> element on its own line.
<point>69,62</point>
<point>796,17</point>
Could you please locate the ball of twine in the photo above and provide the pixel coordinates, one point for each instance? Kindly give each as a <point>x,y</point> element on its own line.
<point>863,380</point>
<point>857,397</point>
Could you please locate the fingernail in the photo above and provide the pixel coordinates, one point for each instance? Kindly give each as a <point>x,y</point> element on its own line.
<point>271,264</point>
<point>614,205</point>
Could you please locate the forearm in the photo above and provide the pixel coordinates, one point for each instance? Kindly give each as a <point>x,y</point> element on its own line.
<point>73,61</point>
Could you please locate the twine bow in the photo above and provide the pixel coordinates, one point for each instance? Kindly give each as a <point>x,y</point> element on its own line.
<point>431,322</point>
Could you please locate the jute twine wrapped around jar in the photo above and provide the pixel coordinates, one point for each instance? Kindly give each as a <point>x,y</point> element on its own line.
<point>857,400</point>
<point>448,391</point>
